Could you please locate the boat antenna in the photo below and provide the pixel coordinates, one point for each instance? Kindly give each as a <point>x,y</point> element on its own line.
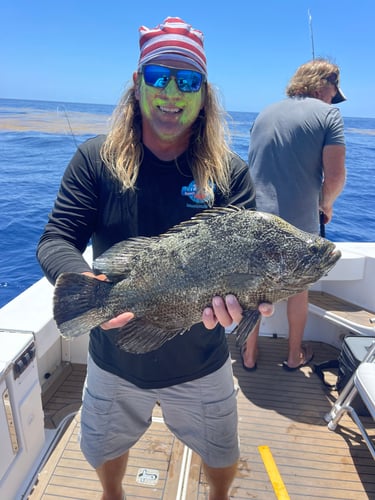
<point>311,33</point>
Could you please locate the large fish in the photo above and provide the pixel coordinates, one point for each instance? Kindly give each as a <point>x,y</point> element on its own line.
<point>167,281</point>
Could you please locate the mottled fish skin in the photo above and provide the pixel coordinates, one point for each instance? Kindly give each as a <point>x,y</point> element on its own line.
<point>167,281</point>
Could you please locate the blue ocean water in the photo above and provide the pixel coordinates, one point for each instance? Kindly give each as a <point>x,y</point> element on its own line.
<point>37,140</point>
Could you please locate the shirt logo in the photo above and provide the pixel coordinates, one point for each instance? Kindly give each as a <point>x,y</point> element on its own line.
<point>197,200</point>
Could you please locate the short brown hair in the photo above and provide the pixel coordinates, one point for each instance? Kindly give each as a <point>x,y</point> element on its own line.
<point>311,77</point>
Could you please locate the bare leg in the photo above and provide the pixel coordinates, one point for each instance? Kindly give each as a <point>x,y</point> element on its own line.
<point>297,310</point>
<point>111,474</point>
<point>250,349</point>
<point>219,481</point>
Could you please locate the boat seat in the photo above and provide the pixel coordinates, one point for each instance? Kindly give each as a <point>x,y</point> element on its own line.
<point>342,312</point>
<point>364,381</point>
<point>361,383</point>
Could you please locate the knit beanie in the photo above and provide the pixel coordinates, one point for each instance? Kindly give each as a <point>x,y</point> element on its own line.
<point>173,40</point>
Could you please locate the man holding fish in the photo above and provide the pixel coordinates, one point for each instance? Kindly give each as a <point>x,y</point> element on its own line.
<point>164,160</point>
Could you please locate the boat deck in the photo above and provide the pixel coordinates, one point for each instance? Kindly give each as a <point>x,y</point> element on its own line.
<point>286,449</point>
<point>342,308</point>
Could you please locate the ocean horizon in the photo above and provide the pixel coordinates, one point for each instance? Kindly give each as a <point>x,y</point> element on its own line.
<point>101,107</point>
<point>38,138</point>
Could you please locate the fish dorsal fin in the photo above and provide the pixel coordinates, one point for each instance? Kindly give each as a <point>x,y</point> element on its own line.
<point>116,262</point>
<point>202,217</point>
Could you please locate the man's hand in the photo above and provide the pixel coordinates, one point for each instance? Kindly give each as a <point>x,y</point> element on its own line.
<point>119,320</point>
<point>227,311</point>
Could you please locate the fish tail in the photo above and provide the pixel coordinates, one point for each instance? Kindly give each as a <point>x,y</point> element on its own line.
<point>78,303</point>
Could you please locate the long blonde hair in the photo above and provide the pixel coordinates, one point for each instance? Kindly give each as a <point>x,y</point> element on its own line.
<point>311,77</point>
<point>122,151</point>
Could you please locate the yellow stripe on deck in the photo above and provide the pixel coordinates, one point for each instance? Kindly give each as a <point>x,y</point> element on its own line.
<point>273,473</point>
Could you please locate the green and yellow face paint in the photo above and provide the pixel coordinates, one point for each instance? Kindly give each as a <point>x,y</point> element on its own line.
<point>170,97</point>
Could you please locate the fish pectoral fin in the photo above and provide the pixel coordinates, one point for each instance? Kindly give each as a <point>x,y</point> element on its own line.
<point>139,336</point>
<point>239,280</point>
<point>246,326</point>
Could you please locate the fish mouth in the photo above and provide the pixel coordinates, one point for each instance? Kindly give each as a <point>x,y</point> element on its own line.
<point>330,257</point>
<point>324,261</point>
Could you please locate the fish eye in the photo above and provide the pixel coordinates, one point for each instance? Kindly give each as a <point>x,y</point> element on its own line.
<point>314,248</point>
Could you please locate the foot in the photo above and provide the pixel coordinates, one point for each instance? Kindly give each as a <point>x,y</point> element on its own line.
<point>251,364</point>
<point>306,355</point>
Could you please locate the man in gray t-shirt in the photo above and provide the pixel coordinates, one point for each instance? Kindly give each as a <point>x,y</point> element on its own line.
<point>297,161</point>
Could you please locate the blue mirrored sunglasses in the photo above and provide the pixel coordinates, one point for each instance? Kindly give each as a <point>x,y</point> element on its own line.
<point>187,80</point>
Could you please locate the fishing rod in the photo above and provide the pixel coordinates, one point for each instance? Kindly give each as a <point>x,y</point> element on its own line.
<point>322,227</point>
<point>311,33</point>
<point>69,125</point>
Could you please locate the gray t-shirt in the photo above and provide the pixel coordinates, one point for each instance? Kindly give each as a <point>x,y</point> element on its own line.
<point>285,157</point>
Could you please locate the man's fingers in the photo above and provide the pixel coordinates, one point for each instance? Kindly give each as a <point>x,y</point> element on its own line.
<point>266,309</point>
<point>226,311</point>
<point>118,321</point>
<point>234,309</point>
<point>208,318</point>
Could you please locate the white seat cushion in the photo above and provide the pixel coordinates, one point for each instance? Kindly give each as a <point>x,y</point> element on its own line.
<point>364,380</point>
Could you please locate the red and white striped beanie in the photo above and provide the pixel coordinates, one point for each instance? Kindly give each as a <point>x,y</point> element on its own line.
<point>173,39</point>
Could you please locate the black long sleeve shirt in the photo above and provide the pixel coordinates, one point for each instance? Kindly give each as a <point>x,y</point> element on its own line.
<point>91,206</point>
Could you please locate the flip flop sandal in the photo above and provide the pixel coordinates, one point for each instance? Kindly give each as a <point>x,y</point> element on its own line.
<point>308,357</point>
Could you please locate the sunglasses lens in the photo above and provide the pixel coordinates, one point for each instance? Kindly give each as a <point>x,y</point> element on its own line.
<point>159,76</point>
<point>333,79</point>
<point>156,76</point>
<point>188,80</point>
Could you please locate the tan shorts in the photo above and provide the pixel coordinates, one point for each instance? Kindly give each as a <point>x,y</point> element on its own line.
<point>201,413</point>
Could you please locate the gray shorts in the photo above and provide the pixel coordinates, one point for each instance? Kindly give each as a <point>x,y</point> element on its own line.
<point>201,413</point>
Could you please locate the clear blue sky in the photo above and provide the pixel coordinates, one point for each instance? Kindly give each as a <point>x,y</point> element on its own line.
<point>86,51</point>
